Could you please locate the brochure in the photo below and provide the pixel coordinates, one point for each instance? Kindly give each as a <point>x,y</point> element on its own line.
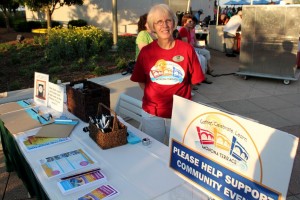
<point>31,143</point>
<point>103,192</point>
<point>65,162</point>
<point>80,181</point>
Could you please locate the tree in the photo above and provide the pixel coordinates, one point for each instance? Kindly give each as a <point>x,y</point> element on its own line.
<point>49,6</point>
<point>7,7</point>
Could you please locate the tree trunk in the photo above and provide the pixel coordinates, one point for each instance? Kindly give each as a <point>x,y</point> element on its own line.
<point>6,18</point>
<point>48,14</point>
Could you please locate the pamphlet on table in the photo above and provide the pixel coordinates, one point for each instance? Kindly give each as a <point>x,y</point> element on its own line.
<point>81,181</point>
<point>65,162</point>
<point>104,192</point>
<point>31,143</point>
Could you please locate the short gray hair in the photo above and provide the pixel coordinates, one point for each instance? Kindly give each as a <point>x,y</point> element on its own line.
<point>164,9</point>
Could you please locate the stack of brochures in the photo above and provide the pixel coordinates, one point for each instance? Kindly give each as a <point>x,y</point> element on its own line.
<point>86,180</point>
<point>81,181</point>
<point>104,192</point>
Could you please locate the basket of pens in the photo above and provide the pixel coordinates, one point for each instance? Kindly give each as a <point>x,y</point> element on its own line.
<point>106,130</point>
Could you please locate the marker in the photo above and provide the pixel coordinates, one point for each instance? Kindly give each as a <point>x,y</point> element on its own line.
<point>74,175</point>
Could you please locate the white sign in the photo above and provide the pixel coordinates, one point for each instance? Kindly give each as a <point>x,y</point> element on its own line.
<point>56,97</point>
<point>40,94</point>
<point>228,156</point>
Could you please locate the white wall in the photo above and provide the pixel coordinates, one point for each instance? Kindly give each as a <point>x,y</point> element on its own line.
<point>99,12</point>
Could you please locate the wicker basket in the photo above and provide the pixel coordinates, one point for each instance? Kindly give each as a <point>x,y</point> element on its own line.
<point>83,102</point>
<point>117,136</point>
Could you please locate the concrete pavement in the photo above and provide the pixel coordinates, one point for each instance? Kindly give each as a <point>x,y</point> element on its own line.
<point>267,101</point>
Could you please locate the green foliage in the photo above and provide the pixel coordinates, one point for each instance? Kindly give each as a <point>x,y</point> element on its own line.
<point>79,42</point>
<point>26,26</point>
<point>121,63</point>
<point>65,54</point>
<point>28,71</point>
<point>99,71</point>
<point>126,43</point>
<point>55,24</point>
<point>40,40</point>
<point>77,23</point>
<point>7,7</point>
<point>55,69</point>
<point>18,15</point>
<point>5,47</point>
<point>15,85</point>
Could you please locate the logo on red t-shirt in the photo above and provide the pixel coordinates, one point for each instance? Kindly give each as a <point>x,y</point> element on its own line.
<point>166,73</point>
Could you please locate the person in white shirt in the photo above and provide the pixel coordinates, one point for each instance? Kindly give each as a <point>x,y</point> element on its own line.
<point>230,30</point>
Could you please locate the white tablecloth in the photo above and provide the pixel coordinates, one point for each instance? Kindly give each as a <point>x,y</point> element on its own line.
<point>136,171</point>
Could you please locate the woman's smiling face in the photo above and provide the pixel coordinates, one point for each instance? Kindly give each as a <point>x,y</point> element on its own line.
<point>163,26</point>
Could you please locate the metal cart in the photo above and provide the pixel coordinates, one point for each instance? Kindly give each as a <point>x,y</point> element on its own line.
<point>269,42</point>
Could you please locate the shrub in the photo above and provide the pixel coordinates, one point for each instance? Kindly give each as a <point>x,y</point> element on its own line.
<point>55,69</point>
<point>121,63</point>
<point>126,43</point>
<point>15,85</point>
<point>80,42</point>
<point>55,24</point>
<point>34,25</point>
<point>77,23</point>
<point>40,40</point>
<point>99,70</point>
<point>21,26</point>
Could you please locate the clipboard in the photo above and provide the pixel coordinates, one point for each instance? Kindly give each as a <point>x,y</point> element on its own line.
<point>56,130</point>
<point>12,107</point>
<point>19,121</point>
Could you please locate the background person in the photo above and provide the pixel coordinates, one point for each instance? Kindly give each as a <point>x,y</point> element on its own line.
<point>230,30</point>
<point>186,35</point>
<point>198,15</point>
<point>164,68</point>
<point>145,35</point>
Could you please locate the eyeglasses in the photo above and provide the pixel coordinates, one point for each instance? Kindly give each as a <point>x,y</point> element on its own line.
<point>190,22</point>
<point>161,22</point>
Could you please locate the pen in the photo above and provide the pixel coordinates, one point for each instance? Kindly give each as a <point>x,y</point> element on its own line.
<point>34,110</point>
<point>74,175</point>
<point>44,118</point>
<point>26,102</point>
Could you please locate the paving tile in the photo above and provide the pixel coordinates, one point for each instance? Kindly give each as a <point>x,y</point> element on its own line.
<point>294,186</point>
<point>269,119</point>
<point>15,188</point>
<point>240,107</point>
<point>3,175</point>
<point>270,103</point>
<point>293,99</point>
<point>291,114</point>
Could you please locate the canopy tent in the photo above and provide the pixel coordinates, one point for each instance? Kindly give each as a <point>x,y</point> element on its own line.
<point>231,2</point>
<point>246,2</point>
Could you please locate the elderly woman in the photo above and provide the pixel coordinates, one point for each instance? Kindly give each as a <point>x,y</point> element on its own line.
<point>164,68</point>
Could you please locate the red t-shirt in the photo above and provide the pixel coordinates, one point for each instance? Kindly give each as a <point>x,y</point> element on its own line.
<point>166,73</point>
<point>183,32</point>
